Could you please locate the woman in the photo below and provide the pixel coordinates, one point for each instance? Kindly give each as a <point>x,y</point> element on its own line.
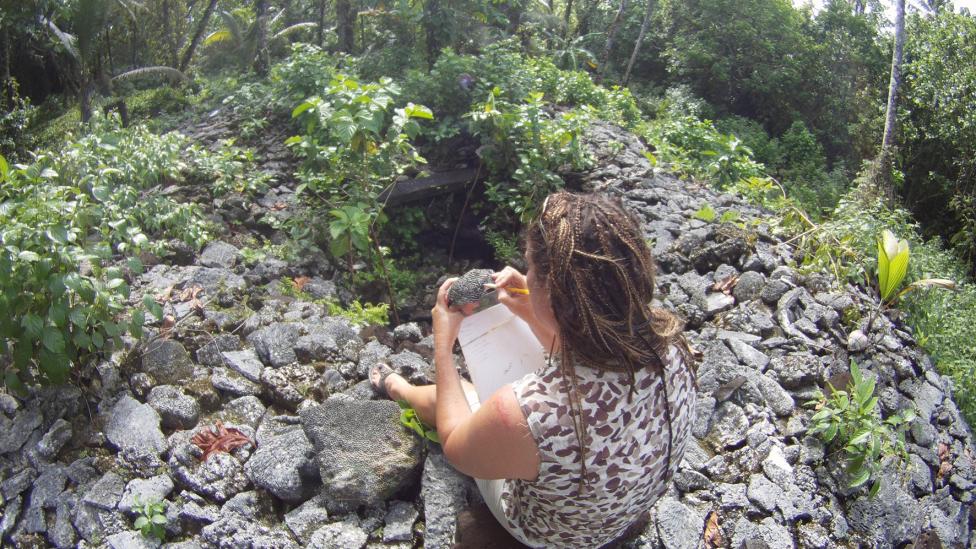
<point>583,447</point>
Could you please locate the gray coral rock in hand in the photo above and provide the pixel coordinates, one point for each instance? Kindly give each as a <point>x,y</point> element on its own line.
<point>470,287</point>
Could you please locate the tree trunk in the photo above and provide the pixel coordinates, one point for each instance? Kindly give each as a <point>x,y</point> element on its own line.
<point>168,38</point>
<point>586,18</point>
<point>432,10</point>
<point>346,25</point>
<point>567,17</point>
<point>882,177</point>
<point>197,36</point>
<point>640,39</point>
<point>262,60</point>
<point>320,30</point>
<point>611,34</point>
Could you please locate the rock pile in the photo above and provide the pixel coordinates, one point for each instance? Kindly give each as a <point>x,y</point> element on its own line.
<point>327,465</point>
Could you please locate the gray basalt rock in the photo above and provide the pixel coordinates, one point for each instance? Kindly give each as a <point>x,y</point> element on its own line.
<point>232,532</point>
<point>892,518</point>
<point>215,281</point>
<point>132,426</point>
<point>444,494</point>
<point>678,526</point>
<point>175,408</point>
<point>338,535</point>
<point>232,383</point>
<point>54,439</point>
<point>289,385</point>
<point>219,254</point>
<point>767,533</point>
<point>43,497</point>
<point>275,344</point>
<point>14,433</point>
<point>305,519</point>
<point>167,362</point>
<point>326,340</point>
<point>244,362</point>
<point>285,466</point>
<point>106,492</point>
<point>210,353</point>
<point>140,491</point>
<point>398,523</point>
<point>364,454</point>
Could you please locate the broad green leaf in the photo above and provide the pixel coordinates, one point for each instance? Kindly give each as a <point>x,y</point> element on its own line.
<point>159,519</point>
<point>860,438</point>
<point>860,478</point>
<point>898,269</point>
<point>4,169</point>
<point>142,522</point>
<point>53,340</point>
<point>29,256</point>
<point>299,110</point>
<point>33,325</point>
<point>418,111</point>
<point>11,381</point>
<point>875,488</point>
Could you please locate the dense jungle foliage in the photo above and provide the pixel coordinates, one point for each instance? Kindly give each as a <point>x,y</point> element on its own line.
<point>785,104</point>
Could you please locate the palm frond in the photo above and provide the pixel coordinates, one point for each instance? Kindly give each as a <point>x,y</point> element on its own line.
<point>221,35</point>
<point>293,28</point>
<point>233,25</point>
<point>275,19</point>
<point>168,72</point>
<point>69,41</point>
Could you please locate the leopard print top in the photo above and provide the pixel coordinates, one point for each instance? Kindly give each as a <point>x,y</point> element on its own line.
<point>625,459</point>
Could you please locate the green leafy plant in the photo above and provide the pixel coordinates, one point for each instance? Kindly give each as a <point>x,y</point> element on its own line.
<point>705,213</point>
<point>850,421</point>
<point>892,263</point>
<point>410,420</point>
<point>150,518</point>
<point>360,314</point>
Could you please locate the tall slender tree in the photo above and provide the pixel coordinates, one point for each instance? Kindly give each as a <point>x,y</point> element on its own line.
<point>640,40</point>
<point>262,59</point>
<point>611,35</point>
<point>882,179</point>
<point>345,25</point>
<point>197,36</point>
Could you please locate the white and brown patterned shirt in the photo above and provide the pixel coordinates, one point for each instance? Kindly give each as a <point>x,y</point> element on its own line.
<point>626,452</point>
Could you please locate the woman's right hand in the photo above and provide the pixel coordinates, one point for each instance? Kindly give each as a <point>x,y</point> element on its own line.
<point>518,303</point>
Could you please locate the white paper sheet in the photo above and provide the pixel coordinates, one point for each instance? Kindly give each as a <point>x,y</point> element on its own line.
<point>498,348</point>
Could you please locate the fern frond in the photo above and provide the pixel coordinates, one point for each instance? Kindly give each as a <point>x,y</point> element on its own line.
<point>168,72</point>
<point>293,28</point>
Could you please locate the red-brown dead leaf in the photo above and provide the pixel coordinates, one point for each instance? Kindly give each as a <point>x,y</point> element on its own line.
<point>945,457</point>
<point>165,295</point>
<point>278,206</point>
<point>191,293</point>
<point>726,284</point>
<point>712,536</point>
<point>219,439</point>
<point>299,282</point>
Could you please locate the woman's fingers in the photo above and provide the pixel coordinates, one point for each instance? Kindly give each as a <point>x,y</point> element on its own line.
<point>509,277</point>
<point>442,292</point>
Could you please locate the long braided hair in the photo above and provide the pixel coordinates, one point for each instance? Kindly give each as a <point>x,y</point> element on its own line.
<point>598,269</point>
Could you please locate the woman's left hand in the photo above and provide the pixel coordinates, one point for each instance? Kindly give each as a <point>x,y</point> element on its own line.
<point>447,320</point>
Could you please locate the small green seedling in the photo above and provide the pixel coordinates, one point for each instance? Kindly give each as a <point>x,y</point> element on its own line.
<point>410,420</point>
<point>893,256</point>
<point>151,520</point>
<point>706,213</point>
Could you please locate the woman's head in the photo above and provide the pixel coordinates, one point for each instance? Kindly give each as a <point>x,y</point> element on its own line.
<point>588,255</point>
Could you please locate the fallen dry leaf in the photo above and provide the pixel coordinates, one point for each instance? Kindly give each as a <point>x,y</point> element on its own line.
<point>725,285</point>
<point>946,458</point>
<point>165,295</point>
<point>712,536</point>
<point>299,282</point>
<point>219,439</point>
<point>278,206</point>
<point>169,321</point>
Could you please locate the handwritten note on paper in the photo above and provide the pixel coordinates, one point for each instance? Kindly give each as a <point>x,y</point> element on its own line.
<point>498,348</point>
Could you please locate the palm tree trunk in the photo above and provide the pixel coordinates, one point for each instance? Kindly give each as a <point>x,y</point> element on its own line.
<point>432,10</point>
<point>262,60</point>
<point>611,34</point>
<point>640,39</point>
<point>197,36</point>
<point>567,16</point>
<point>882,176</point>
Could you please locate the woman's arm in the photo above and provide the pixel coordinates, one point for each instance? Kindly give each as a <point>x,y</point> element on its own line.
<point>495,441</point>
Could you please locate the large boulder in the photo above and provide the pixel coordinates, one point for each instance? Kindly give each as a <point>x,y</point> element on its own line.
<point>444,494</point>
<point>365,455</point>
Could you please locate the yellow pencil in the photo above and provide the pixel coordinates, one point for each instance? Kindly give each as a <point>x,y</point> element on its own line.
<point>511,290</point>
